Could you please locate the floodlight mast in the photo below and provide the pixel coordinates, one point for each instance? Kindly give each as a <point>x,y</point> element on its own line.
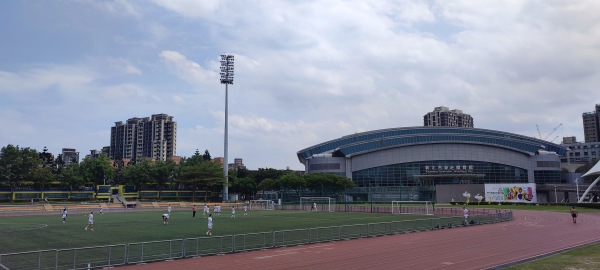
<point>226,79</point>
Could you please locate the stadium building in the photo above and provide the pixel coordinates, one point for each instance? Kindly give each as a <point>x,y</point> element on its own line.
<point>408,163</point>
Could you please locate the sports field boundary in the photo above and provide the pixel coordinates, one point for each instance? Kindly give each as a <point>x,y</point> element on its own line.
<point>143,252</point>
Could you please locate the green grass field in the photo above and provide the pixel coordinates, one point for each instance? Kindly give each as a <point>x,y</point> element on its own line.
<point>28,233</point>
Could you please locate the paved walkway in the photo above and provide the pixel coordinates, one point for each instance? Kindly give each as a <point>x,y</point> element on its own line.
<point>530,234</point>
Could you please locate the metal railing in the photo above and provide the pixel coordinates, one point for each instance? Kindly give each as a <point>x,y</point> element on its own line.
<point>142,252</point>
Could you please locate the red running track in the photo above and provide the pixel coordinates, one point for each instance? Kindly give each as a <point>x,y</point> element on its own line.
<point>531,234</point>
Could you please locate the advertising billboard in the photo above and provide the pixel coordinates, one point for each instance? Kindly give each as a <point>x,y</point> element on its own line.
<point>517,193</point>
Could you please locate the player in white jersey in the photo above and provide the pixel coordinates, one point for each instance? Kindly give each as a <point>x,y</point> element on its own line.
<point>169,209</point>
<point>64,215</point>
<point>466,215</point>
<point>90,221</point>
<point>206,211</point>
<point>233,211</point>
<point>165,218</point>
<point>210,225</point>
<point>245,210</point>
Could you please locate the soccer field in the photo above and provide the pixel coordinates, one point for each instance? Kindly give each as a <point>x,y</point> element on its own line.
<point>28,233</point>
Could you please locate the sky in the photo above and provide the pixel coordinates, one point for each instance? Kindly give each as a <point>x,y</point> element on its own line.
<point>305,71</point>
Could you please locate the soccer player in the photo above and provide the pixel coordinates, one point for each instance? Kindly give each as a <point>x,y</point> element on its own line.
<point>90,221</point>
<point>64,215</point>
<point>245,210</point>
<point>206,211</point>
<point>165,218</point>
<point>194,211</point>
<point>210,225</point>
<point>101,211</point>
<point>169,209</point>
<point>466,215</point>
<point>233,211</point>
<point>314,206</point>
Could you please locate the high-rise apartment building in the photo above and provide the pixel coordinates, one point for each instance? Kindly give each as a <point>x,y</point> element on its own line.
<point>442,116</point>
<point>591,125</point>
<point>69,156</point>
<point>150,137</point>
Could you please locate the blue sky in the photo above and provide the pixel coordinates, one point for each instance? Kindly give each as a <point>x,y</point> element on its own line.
<point>305,71</point>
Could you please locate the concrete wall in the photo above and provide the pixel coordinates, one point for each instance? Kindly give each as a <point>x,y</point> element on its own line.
<point>449,193</point>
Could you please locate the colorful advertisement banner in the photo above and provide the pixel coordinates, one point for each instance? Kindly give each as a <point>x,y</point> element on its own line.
<point>518,193</point>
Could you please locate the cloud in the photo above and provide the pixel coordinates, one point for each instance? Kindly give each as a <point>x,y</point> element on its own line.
<point>115,6</point>
<point>189,8</point>
<point>306,71</point>
<point>188,70</point>
<point>123,66</point>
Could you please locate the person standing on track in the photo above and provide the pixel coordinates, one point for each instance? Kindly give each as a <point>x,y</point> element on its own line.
<point>90,222</point>
<point>466,215</point>
<point>574,214</point>
<point>210,225</point>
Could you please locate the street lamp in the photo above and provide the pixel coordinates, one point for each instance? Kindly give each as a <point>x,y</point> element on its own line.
<point>555,196</point>
<point>226,79</point>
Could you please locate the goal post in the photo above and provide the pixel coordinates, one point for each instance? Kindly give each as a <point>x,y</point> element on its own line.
<point>261,205</point>
<point>322,203</point>
<point>412,207</point>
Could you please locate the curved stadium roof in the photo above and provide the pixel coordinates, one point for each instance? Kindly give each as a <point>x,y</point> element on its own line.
<point>365,142</point>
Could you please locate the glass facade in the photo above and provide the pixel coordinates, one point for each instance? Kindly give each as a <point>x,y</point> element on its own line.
<point>547,177</point>
<point>430,173</point>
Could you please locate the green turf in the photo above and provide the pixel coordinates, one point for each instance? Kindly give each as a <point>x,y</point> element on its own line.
<point>27,233</point>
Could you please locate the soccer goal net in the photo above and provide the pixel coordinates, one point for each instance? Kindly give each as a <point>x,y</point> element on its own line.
<point>321,204</point>
<point>261,205</point>
<point>412,207</point>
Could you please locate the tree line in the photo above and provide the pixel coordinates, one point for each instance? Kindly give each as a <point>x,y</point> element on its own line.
<point>23,166</point>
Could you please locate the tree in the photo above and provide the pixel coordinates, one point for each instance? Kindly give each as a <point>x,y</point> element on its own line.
<point>98,170</point>
<point>42,177</point>
<point>17,164</point>
<point>47,158</point>
<point>267,184</point>
<point>204,174</point>
<point>327,181</point>
<point>71,176</point>
<point>163,172</point>
<point>138,174</point>
<point>266,173</point>
<point>119,167</point>
<point>245,185</point>
<point>292,181</point>
<point>206,155</point>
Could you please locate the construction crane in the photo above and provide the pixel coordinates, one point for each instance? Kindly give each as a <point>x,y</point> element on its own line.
<point>539,133</point>
<point>547,136</point>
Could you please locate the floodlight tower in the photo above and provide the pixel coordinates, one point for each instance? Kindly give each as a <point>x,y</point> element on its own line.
<point>226,79</point>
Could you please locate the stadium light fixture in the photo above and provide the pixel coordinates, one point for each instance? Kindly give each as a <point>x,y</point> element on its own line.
<point>226,79</point>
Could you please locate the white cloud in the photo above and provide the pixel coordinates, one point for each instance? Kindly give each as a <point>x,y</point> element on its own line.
<point>124,66</point>
<point>189,8</point>
<point>310,71</point>
<point>188,70</point>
